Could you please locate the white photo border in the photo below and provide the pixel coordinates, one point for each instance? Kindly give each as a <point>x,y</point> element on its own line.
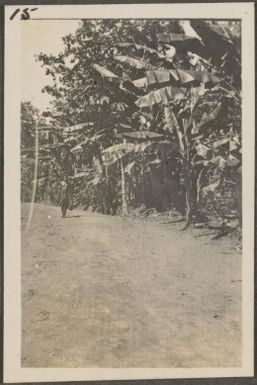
<point>13,372</point>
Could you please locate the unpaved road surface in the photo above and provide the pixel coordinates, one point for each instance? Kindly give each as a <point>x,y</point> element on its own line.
<point>100,291</point>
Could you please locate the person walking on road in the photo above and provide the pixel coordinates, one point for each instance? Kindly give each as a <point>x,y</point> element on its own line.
<point>65,199</point>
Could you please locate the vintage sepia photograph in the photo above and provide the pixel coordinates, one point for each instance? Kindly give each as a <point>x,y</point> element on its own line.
<point>130,185</point>
<point>137,138</point>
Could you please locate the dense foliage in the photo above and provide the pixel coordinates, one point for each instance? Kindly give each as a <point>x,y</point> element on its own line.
<point>146,113</point>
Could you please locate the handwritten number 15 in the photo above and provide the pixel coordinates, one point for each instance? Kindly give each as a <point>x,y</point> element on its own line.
<point>25,15</point>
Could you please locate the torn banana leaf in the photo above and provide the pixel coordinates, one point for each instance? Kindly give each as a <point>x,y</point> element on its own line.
<point>163,95</point>
<point>207,118</point>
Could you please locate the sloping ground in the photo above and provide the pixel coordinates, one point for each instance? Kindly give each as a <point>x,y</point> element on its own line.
<point>100,291</point>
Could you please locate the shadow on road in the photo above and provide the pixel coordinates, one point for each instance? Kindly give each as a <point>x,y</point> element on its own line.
<point>74,216</point>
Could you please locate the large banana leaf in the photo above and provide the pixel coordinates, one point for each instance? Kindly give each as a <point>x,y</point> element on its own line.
<point>173,37</point>
<point>157,77</point>
<point>137,63</point>
<point>163,95</point>
<point>205,77</point>
<point>116,152</point>
<point>225,38</point>
<point>189,31</point>
<point>137,46</point>
<point>145,135</point>
<point>227,34</point>
<point>104,72</point>
<point>183,76</point>
<point>169,53</point>
<point>173,126</point>
<point>113,154</point>
<point>88,141</point>
<point>140,83</point>
<point>171,123</point>
<point>77,127</point>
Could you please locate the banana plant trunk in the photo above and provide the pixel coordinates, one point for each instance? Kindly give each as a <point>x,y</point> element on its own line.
<point>191,193</point>
<point>123,190</point>
<point>104,170</point>
<point>188,194</point>
<point>189,184</point>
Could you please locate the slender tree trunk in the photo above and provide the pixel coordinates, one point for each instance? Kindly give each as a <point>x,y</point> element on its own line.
<point>190,180</point>
<point>34,191</point>
<point>123,190</point>
<point>188,202</point>
<point>239,197</point>
<point>198,186</point>
<point>143,180</point>
<point>188,185</point>
<point>104,188</point>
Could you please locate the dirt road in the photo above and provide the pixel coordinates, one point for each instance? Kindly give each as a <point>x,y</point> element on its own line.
<point>100,291</point>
